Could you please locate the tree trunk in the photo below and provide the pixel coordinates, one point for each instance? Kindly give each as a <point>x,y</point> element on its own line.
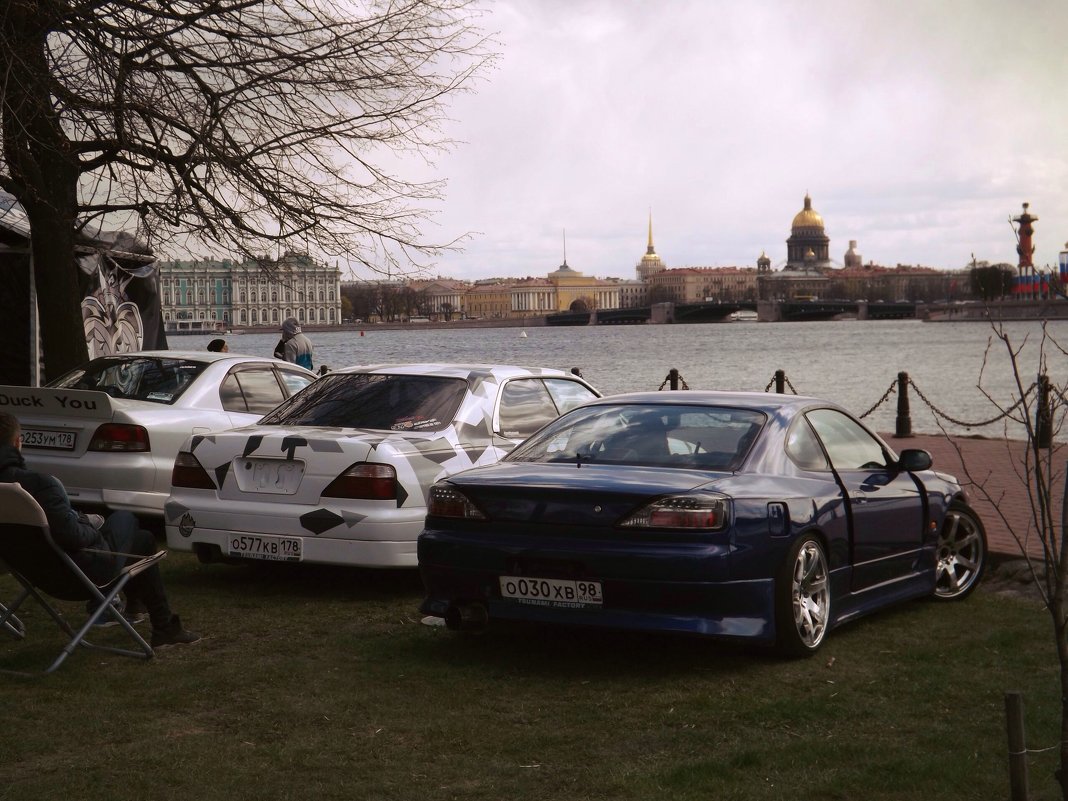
<point>58,297</point>
<point>44,174</point>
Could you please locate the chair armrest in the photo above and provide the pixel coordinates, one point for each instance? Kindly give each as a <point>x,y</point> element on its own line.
<point>143,564</point>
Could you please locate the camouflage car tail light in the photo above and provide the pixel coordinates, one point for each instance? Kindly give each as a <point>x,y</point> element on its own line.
<point>366,481</point>
<point>188,472</point>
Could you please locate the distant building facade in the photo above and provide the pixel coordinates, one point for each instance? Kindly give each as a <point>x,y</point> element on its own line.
<point>808,260</point>
<point>697,284</point>
<point>808,273</point>
<point>211,294</point>
<point>443,298</point>
<point>650,263</point>
<point>852,258</point>
<point>808,247</point>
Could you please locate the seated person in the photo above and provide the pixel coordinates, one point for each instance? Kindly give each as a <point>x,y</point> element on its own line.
<point>75,533</point>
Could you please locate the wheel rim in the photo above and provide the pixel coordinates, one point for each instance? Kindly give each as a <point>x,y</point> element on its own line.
<point>960,555</point>
<point>811,595</point>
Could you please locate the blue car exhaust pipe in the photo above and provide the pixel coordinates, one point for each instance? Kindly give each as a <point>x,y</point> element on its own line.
<point>466,617</point>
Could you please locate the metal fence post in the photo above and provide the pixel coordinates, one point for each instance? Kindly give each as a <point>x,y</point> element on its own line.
<point>1043,417</point>
<point>780,381</point>
<point>673,378</point>
<point>904,420</point>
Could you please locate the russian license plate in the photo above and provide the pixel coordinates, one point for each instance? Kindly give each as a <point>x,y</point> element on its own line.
<point>273,549</point>
<point>55,440</point>
<point>275,476</point>
<point>552,592</point>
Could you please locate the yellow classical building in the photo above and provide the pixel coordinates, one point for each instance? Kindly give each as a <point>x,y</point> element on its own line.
<point>491,300</point>
<point>564,289</point>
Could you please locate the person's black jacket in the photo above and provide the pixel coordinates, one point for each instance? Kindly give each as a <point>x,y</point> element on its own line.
<point>71,531</point>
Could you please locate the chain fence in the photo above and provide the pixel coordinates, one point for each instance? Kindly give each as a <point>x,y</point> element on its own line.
<point>781,381</point>
<point>675,379</point>
<point>785,379</point>
<point>1005,413</point>
<point>890,390</point>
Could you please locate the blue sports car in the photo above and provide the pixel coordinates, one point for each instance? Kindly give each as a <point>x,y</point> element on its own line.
<point>769,518</point>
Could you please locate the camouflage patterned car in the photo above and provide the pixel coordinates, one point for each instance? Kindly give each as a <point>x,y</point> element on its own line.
<point>339,473</point>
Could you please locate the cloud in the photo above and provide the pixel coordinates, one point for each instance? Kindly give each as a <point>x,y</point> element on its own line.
<point>918,128</point>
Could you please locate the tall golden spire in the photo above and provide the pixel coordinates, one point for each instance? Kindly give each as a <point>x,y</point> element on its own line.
<point>649,251</point>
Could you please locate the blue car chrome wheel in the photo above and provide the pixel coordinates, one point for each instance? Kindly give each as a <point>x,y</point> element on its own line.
<point>961,553</point>
<point>804,599</point>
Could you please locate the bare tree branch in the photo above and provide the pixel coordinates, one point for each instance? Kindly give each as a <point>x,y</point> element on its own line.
<point>237,124</point>
<point>1038,474</point>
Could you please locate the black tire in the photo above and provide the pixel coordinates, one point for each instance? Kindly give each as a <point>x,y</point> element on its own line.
<point>802,599</point>
<point>962,553</point>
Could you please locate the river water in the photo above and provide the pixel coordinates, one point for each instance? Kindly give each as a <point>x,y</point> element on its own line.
<point>955,366</point>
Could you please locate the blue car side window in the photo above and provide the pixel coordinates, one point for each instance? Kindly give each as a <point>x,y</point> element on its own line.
<point>848,444</point>
<point>803,447</point>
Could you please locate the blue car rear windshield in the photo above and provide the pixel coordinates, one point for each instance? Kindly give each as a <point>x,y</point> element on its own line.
<point>144,378</point>
<point>651,435</point>
<point>369,400</point>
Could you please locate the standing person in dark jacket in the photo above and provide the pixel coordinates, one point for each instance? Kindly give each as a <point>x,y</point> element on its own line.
<point>297,348</point>
<point>75,533</point>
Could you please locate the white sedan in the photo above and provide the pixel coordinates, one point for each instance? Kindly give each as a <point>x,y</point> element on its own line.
<point>339,474</point>
<point>110,429</point>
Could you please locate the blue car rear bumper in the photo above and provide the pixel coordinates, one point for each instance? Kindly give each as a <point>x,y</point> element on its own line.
<point>665,596</point>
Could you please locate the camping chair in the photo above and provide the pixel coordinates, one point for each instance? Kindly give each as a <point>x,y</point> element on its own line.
<point>43,568</point>
<point>11,624</point>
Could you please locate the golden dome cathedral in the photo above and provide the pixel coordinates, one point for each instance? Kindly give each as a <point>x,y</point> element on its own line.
<point>808,217</point>
<point>808,247</point>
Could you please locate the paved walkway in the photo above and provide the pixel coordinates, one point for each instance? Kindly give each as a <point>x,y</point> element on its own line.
<point>991,472</point>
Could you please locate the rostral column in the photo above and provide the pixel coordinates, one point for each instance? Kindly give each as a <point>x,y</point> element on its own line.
<point>1027,250</point>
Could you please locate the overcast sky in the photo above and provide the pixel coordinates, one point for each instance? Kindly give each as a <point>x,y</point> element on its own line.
<point>917,127</point>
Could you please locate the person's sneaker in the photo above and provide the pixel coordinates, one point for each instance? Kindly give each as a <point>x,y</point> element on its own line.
<point>135,606</point>
<point>136,611</point>
<point>172,634</point>
<point>133,616</point>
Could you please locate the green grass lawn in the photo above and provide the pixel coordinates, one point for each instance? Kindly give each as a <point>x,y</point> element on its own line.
<point>322,684</point>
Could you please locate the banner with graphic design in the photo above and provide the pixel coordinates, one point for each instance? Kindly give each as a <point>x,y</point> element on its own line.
<point>121,305</point>
<point>119,281</point>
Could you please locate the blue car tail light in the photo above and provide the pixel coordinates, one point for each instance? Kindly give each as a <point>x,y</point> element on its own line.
<point>444,501</point>
<point>702,512</point>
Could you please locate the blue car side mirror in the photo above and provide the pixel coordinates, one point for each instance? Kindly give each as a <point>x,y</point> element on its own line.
<point>915,459</point>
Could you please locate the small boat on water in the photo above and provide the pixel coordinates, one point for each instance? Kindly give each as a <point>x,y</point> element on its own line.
<point>522,334</point>
<point>743,315</point>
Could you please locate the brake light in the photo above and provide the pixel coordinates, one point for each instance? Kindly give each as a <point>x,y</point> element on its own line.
<point>701,512</point>
<point>188,472</point>
<point>365,481</point>
<point>445,501</point>
<point>120,437</point>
